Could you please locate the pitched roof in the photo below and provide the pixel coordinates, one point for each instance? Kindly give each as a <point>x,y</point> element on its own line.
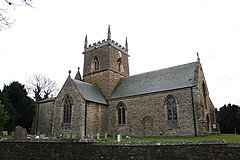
<point>160,80</point>
<point>89,92</point>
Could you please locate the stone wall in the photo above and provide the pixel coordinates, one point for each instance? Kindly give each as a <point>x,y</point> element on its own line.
<point>204,111</point>
<point>107,76</point>
<point>76,128</point>
<point>78,150</point>
<point>96,119</point>
<point>44,116</point>
<point>153,107</point>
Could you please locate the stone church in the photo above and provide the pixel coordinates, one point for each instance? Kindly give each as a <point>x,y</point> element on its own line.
<point>106,99</point>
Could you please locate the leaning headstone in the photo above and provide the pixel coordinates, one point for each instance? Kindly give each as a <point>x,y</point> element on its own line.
<point>5,133</point>
<point>17,132</point>
<point>24,134</point>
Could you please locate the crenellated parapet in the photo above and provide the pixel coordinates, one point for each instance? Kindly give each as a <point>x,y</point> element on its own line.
<point>104,42</point>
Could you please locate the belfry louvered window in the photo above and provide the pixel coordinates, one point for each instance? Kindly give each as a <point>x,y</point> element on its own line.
<point>121,110</point>
<point>67,110</point>
<point>171,108</point>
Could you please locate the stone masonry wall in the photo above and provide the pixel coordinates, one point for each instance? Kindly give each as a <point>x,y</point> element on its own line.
<point>76,128</point>
<point>152,108</point>
<point>96,119</point>
<point>108,74</point>
<point>111,151</point>
<point>44,117</point>
<point>205,114</point>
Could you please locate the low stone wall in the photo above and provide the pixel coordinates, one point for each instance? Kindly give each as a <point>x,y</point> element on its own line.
<point>82,150</point>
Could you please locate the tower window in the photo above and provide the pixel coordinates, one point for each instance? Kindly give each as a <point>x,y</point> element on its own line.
<point>121,110</point>
<point>119,64</point>
<point>96,63</point>
<point>67,110</point>
<point>171,108</point>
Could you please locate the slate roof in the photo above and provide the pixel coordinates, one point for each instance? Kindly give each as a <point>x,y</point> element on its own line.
<point>160,80</point>
<point>89,92</point>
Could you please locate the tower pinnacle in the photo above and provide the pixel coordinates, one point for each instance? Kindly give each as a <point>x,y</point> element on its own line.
<point>126,44</point>
<point>85,42</point>
<point>109,33</point>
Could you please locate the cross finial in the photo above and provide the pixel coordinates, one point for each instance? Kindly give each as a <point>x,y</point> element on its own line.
<point>198,59</point>
<point>109,33</point>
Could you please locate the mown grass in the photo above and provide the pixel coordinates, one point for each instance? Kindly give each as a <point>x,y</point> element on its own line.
<point>229,138</point>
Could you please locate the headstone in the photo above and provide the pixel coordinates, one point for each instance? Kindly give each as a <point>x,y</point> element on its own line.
<point>105,135</point>
<point>119,138</point>
<point>17,132</point>
<point>98,136</point>
<point>5,133</point>
<point>24,134</point>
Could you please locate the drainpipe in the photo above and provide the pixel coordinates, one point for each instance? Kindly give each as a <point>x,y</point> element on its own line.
<point>194,117</point>
<point>85,125</point>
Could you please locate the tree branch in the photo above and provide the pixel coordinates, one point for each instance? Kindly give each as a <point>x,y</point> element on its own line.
<point>5,21</point>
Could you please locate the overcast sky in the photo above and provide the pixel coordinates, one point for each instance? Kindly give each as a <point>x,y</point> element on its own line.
<point>49,39</point>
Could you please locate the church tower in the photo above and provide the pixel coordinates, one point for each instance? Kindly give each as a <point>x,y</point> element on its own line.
<point>105,63</point>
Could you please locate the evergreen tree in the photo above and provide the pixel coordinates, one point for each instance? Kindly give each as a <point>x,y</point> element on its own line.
<point>19,106</point>
<point>229,119</point>
<point>3,118</point>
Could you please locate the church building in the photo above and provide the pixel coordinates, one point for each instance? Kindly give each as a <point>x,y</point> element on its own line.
<point>172,101</point>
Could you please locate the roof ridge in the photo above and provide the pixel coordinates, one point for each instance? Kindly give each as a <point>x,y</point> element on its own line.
<point>139,74</point>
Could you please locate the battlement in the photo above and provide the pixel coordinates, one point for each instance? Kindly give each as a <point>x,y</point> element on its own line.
<point>105,43</point>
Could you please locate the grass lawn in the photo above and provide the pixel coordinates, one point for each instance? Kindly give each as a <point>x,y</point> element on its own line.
<point>229,138</point>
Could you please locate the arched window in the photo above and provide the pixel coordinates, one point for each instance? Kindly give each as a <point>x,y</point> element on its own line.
<point>119,64</point>
<point>67,110</point>
<point>96,63</point>
<point>172,108</point>
<point>121,110</point>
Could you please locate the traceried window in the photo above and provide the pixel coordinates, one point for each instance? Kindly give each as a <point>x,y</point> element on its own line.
<point>121,110</point>
<point>96,63</point>
<point>172,108</point>
<point>67,110</point>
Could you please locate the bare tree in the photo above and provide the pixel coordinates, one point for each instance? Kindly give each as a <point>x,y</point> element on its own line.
<point>5,5</point>
<point>41,86</point>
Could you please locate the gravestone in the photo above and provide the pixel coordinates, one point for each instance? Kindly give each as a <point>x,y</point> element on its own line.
<point>98,136</point>
<point>5,133</point>
<point>17,132</point>
<point>119,138</point>
<point>23,134</point>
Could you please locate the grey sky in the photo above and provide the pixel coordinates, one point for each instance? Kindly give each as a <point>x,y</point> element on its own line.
<point>49,39</point>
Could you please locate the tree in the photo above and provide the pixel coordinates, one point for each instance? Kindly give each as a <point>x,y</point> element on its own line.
<point>3,118</point>
<point>19,106</point>
<point>41,86</point>
<point>229,119</point>
<point>5,5</point>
